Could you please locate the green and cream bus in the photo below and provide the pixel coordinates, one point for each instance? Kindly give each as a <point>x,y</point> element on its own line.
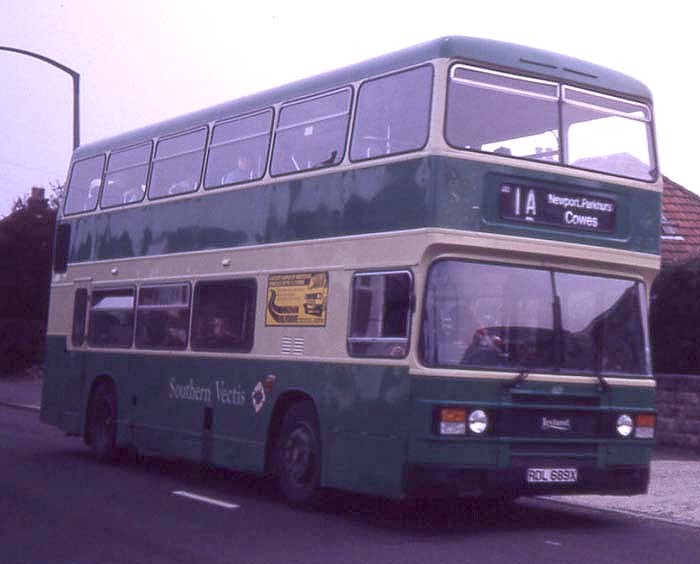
<point>421,275</point>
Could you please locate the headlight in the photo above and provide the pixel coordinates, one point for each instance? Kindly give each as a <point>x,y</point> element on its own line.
<point>624,425</point>
<point>478,421</point>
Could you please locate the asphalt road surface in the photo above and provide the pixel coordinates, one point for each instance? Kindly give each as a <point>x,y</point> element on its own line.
<point>58,506</point>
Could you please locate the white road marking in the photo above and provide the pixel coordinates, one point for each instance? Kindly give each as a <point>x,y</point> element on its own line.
<point>21,406</point>
<point>553,543</point>
<point>209,500</point>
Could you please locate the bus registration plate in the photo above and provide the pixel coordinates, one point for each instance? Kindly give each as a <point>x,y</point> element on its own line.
<point>552,475</point>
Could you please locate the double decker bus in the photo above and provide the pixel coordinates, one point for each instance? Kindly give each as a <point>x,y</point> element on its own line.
<point>422,275</point>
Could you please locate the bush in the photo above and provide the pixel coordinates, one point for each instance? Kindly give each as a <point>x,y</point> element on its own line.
<point>675,318</point>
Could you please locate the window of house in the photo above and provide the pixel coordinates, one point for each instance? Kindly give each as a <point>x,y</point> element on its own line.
<point>127,173</point>
<point>111,318</point>
<point>84,185</point>
<point>163,316</point>
<point>380,314</point>
<point>177,166</point>
<point>669,229</point>
<point>238,150</point>
<point>393,114</point>
<point>311,133</point>
<point>224,315</point>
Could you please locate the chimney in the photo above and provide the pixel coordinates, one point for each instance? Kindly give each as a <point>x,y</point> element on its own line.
<point>37,202</point>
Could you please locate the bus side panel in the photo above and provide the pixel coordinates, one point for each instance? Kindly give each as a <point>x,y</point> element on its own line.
<point>217,410</point>
<point>364,413</point>
<point>61,386</point>
<point>162,423</point>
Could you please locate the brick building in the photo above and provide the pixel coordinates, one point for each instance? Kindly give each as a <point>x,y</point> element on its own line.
<point>680,223</point>
<point>678,395</point>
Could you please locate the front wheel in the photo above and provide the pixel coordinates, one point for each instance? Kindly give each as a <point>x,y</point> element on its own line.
<point>102,422</point>
<point>298,456</point>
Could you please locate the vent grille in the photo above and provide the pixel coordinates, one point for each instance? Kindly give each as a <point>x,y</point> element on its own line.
<point>293,346</point>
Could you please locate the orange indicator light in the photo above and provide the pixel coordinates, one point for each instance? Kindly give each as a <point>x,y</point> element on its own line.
<point>453,415</point>
<point>645,420</point>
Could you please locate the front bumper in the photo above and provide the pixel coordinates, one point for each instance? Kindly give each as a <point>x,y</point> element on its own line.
<point>431,480</point>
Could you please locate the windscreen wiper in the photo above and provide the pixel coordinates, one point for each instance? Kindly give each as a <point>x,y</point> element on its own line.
<point>603,382</point>
<point>521,377</point>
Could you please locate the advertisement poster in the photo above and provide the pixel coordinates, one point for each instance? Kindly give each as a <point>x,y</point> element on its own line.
<point>297,299</point>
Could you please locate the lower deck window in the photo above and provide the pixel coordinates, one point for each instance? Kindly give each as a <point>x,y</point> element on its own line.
<point>380,317</point>
<point>111,318</point>
<point>163,316</point>
<point>224,315</point>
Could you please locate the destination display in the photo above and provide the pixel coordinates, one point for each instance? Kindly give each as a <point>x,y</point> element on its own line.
<point>542,206</point>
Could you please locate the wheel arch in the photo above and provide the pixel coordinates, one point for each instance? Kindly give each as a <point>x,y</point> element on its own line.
<point>88,402</point>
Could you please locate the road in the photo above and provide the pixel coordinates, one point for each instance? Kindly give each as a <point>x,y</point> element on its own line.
<point>58,506</point>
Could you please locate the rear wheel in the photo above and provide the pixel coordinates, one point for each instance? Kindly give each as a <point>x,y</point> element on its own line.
<point>298,456</point>
<point>102,422</point>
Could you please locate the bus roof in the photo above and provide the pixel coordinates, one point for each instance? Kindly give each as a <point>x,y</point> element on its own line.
<point>489,53</point>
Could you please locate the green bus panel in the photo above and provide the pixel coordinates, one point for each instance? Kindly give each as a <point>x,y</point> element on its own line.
<point>496,447</point>
<point>376,421</point>
<point>211,409</point>
<point>426,192</point>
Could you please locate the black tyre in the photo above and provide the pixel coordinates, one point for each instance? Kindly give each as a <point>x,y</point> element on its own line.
<point>102,422</point>
<point>298,456</point>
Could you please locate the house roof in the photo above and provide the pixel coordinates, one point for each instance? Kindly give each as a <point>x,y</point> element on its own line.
<point>680,224</point>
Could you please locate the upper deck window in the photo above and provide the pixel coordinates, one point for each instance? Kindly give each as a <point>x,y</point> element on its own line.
<point>127,172</point>
<point>608,134</point>
<point>84,185</point>
<point>311,133</point>
<point>497,113</point>
<point>393,114</point>
<point>177,166</point>
<point>502,114</point>
<point>238,150</point>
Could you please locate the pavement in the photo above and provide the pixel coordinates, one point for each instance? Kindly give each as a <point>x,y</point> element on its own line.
<point>673,496</point>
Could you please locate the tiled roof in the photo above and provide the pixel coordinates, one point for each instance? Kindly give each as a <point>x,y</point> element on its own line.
<point>680,231</point>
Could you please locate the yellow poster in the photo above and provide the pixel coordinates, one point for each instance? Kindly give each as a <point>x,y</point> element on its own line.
<point>297,299</point>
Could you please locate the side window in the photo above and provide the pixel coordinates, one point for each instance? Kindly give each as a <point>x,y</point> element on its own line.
<point>177,165</point>
<point>79,316</point>
<point>311,133</point>
<point>393,114</point>
<point>238,150</point>
<point>127,172</point>
<point>380,314</point>
<point>224,315</point>
<point>84,185</point>
<point>111,318</point>
<point>163,316</point>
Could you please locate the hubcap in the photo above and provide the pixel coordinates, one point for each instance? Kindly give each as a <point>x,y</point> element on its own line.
<point>299,455</point>
<point>103,420</point>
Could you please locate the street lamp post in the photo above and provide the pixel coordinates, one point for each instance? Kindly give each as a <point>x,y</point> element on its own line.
<point>76,86</point>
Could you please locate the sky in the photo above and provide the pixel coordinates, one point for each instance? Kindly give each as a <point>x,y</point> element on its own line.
<point>143,61</point>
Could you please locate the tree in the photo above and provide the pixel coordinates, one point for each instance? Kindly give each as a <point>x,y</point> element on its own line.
<point>26,241</point>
